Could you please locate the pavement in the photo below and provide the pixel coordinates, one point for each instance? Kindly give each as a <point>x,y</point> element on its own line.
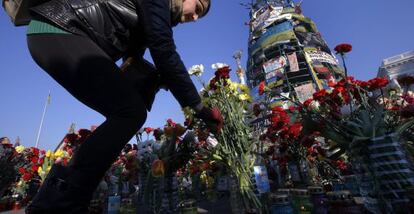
<point>14,212</point>
<point>221,206</point>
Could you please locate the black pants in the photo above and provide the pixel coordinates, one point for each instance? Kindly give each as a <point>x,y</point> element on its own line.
<point>93,78</point>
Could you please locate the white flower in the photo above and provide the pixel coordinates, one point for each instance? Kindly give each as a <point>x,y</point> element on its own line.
<point>196,70</point>
<point>58,160</point>
<point>212,141</point>
<point>314,105</point>
<point>218,66</point>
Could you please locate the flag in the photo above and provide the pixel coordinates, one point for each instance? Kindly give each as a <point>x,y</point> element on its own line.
<point>48,98</point>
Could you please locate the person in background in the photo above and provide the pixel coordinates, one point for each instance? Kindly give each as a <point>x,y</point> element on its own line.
<point>77,43</point>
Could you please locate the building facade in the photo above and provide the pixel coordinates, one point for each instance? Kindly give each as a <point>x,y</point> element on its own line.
<point>396,66</point>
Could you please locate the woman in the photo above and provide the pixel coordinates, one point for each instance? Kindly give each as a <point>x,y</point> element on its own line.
<point>77,42</point>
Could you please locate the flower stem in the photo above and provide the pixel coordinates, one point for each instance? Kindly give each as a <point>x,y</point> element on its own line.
<point>346,82</point>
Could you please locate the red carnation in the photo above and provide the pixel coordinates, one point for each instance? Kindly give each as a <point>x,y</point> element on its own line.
<point>223,73</point>
<point>341,165</point>
<point>83,133</point>
<point>294,130</point>
<point>320,95</point>
<point>261,87</point>
<point>343,48</point>
<point>148,130</point>
<point>213,84</point>
<point>377,83</point>
<point>41,161</point>
<point>27,176</point>
<point>35,168</point>
<point>35,151</point>
<point>278,110</point>
<point>22,170</point>
<point>293,108</point>
<point>308,102</point>
<point>364,84</point>
<point>218,117</point>
<point>65,161</point>
<point>34,159</point>
<point>279,119</point>
<point>69,138</point>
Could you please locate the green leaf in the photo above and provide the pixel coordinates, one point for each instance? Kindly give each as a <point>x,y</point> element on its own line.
<point>407,125</point>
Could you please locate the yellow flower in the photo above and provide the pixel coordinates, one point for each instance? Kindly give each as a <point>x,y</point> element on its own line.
<point>232,86</point>
<point>20,149</point>
<point>244,89</point>
<point>187,111</point>
<point>244,97</point>
<point>40,172</point>
<point>59,153</point>
<point>48,153</point>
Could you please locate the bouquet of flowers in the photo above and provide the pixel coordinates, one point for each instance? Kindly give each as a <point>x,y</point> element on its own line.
<point>234,148</point>
<point>174,149</point>
<point>9,159</point>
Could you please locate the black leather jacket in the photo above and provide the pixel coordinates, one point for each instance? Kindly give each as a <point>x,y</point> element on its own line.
<point>127,27</point>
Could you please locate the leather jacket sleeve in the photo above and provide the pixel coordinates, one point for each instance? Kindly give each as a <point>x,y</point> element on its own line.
<point>159,36</point>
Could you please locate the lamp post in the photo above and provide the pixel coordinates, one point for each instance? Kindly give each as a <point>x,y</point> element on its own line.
<point>240,70</point>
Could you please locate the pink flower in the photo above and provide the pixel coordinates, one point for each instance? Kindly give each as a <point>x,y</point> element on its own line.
<point>170,122</point>
<point>58,160</point>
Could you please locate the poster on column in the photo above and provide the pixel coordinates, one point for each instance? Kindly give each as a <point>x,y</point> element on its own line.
<point>304,92</point>
<point>313,40</point>
<point>274,64</point>
<point>278,73</point>
<point>265,17</point>
<point>293,62</point>
<point>262,179</point>
<point>274,82</point>
<point>318,57</point>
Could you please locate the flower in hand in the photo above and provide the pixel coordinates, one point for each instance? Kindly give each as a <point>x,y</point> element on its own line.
<point>212,117</point>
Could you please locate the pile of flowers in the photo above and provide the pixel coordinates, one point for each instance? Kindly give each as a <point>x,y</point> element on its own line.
<point>354,116</point>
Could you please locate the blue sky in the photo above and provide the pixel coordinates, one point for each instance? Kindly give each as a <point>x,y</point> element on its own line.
<point>376,28</point>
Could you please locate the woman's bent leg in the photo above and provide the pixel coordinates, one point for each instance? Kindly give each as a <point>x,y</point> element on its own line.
<point>86,72</point>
